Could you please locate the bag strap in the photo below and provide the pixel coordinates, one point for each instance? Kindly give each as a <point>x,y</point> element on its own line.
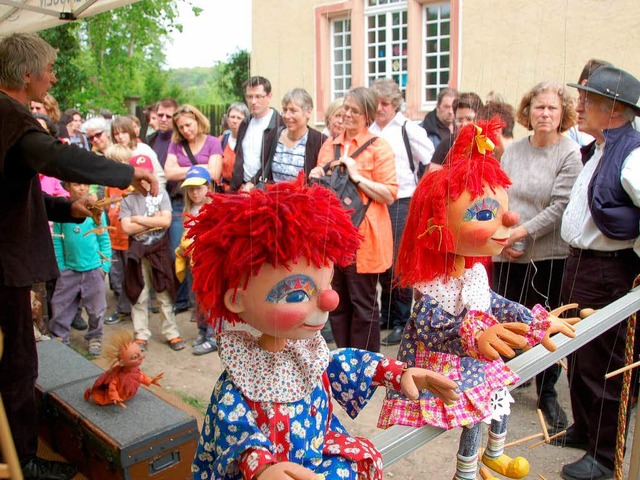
<point>407,146</point>
<point>187,150</point>
<point>225,140</point>
<point>365,145</point>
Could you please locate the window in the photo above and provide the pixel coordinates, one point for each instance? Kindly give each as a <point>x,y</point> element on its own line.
<point>386,41</point>
<point>340,57</point>
<point>436,49</point>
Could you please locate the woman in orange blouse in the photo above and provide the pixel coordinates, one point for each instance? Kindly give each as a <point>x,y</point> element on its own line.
<point>356,321</point>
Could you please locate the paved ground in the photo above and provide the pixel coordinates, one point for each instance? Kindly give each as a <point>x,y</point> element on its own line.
<point>194,376</point>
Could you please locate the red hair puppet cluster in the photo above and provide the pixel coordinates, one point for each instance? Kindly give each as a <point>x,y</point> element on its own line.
<point>460,327</point>
<point>266,258</point>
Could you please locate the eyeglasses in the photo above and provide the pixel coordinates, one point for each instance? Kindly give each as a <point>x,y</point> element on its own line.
<point>259,96</point>
<point>97,134</point>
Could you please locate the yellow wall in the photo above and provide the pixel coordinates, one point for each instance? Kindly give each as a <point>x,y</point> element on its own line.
<point>506,45</point>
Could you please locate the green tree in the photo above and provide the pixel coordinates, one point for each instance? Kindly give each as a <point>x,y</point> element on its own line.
<point>232,73</point>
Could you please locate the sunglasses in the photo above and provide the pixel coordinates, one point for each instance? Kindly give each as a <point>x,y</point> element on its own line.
<point>97,134</point>
<point>181,111</point>
<point>164,115</point>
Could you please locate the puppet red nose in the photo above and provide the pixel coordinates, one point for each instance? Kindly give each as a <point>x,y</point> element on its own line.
<point>328,300</point>
<point>510,218</point>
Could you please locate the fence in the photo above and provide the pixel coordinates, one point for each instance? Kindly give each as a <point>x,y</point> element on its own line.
<point>215,114</point>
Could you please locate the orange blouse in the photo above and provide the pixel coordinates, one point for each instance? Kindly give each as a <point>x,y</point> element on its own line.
<point>377,163</point>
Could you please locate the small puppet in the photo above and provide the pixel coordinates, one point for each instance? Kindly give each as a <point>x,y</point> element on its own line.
<point>459,327</point>
<point>266,258</point>
<point>121,381</point>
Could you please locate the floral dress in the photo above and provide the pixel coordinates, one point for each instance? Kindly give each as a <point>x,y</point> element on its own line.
<point>440,336</point>
<point>271,407</point>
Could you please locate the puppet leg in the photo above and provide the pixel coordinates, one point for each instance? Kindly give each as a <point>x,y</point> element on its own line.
<point>494,456</point>
<point>467,464</point>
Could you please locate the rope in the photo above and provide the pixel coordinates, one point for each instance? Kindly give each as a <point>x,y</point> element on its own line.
<point>624,397</point>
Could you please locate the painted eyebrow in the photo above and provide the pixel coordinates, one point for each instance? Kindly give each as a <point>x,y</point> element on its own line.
<point>291,284</point>
<point>480,205</point>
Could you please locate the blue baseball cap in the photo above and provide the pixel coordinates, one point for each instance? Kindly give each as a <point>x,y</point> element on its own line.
<point>196,175</point>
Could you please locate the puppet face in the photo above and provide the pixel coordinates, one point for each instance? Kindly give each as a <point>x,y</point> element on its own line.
<point>480,226</point>
<point>131,356</point>
<point>286,303</point>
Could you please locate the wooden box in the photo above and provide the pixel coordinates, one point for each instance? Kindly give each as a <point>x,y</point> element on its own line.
<point>149,439</point>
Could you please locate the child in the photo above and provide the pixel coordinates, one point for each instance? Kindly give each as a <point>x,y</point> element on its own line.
<point>266,258</point>
<point>198,185</point>
<point>119,240</point>
<point>84,258</point>
<point>146,221</point>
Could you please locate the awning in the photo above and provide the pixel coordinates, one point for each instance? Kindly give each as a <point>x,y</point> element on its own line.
<point>35,15</point>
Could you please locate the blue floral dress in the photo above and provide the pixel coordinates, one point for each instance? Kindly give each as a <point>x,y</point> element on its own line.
<point>271,407</point>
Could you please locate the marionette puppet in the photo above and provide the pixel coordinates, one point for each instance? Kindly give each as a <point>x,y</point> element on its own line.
<point>266,258</point>
<point>122,380</point>
<point>460,327</point>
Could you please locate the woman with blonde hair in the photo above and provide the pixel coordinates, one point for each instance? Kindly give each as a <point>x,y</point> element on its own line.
<point>333,118</point>
<point>191,145</point>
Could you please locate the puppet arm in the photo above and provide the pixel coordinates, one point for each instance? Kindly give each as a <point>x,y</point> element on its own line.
<point>114,395</point>
<point>537,318</point>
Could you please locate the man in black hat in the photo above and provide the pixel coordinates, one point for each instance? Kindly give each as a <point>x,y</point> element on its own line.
<point>601,225</point>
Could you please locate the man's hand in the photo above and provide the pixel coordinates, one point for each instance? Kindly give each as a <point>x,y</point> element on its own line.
<point>501,339</point>
<point>141,175</point>
<point>287,471</point>
<point>80,208</point>
<point>415,379</point>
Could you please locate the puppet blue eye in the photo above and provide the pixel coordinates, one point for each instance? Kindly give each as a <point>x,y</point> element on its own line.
<point>482,210</point>
<point>293,289</point>
<point>297,296</point>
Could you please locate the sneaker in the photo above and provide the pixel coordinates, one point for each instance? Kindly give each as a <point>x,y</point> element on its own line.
<point>201,338</point>
<point>95,347</point>
<point>176,344</point>
<point>205,347</point>
<point>79,323</point>
<point>116,317</point>
<point>142,344</point>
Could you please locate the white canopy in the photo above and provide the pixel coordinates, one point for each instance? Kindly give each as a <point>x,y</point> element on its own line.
<point>35,15</point>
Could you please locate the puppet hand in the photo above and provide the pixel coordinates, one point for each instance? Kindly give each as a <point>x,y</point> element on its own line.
<point>501,339</point>
<point>118,401</point>
<point>141,175</point>
<point>414,379</point>
<point>286,471</point>
<point>80,208</point>
<point>560,310</point>
<point>316,172</point>
<point>156,380</point>
<point>561,325</point>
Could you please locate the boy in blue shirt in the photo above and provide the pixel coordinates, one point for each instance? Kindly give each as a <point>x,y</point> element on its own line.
<point>84,259</point>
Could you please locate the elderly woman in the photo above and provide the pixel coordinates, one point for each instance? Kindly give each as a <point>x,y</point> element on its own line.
<point>333,118</point>
<point>356,320</point>
<point>123,131</point>
<point>236,113</point>
<point>298,145</point>
<point>191,145</point>
<point>543,168</point>
<point>97,130</point>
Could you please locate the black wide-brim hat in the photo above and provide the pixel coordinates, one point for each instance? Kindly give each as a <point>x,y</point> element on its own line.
<point>615,84</point>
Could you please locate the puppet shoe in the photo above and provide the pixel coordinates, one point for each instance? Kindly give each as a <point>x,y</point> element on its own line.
<point>41,469</point>
<point>176,344</point>
<point>509,467</point>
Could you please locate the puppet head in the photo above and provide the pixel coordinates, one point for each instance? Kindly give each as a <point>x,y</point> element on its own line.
<point>458,212</point>
<point>121,349</point>
<point>281,244</point>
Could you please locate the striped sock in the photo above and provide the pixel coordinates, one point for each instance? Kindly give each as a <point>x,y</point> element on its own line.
<point>466,467</point>
<point>495,445</point>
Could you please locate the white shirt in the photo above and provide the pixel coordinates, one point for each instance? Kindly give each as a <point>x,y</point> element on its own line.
<point>421,148</point>
<point>578,228</point>
<point>252,145</point>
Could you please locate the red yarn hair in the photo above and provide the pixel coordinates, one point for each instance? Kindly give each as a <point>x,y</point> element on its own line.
<point>427,249</point>
<point>236,234</point>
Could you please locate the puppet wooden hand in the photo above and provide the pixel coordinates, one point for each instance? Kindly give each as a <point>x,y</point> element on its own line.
<point>501,339</point>
<point>287,471</point>
<point>118,401</point>
<point>562,325</point>
<point>156,380</point>
<point>414,379</point>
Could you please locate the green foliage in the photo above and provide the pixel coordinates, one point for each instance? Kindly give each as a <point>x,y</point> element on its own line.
<point>233,73</point>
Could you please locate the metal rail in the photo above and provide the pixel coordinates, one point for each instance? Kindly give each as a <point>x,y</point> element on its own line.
<point>398,441</point>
